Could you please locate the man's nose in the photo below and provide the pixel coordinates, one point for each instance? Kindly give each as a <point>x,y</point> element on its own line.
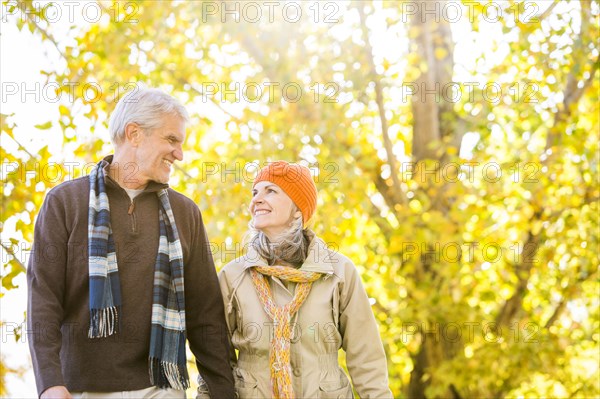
<point>178,153</point>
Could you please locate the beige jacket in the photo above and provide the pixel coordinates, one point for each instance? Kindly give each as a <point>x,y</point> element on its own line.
<point>336,314</point>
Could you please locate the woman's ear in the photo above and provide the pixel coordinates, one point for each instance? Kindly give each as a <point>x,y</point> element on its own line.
<point>297,214</point>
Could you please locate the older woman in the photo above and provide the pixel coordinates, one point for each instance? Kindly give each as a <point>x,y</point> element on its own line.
<point>292,303</point>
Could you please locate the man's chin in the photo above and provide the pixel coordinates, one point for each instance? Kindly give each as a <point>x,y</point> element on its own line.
<point>164,179</point>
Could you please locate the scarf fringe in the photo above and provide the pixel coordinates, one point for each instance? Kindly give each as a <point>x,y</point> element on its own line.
<point>168,375</point>
<point>104,322</point>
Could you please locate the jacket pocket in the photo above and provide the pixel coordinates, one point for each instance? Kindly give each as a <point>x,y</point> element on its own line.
<point>335,307</point>
<point>339,389</point>
<point>246,386</point>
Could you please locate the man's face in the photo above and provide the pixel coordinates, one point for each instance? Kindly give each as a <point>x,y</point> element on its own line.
<point>157,149</point>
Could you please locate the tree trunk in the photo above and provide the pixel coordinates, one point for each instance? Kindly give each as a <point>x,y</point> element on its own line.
<point>431,132</point>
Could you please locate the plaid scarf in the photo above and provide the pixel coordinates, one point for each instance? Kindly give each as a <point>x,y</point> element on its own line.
<point>279,356</point>
<point>167,362</point>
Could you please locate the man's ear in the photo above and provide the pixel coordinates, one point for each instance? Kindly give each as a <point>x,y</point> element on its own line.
<point>133,133</point>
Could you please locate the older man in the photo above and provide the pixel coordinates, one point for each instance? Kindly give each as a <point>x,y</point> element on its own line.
<point>121,272</point>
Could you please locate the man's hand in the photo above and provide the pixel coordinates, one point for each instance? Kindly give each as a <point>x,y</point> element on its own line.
<point>57,392</point>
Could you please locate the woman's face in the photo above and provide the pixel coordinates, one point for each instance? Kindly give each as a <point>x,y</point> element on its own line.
<point>271,208</point>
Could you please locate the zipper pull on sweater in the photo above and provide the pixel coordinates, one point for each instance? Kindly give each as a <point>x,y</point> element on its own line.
<point>131,206</point>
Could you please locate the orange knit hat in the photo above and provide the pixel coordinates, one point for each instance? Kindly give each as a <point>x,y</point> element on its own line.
<point>297,183</point>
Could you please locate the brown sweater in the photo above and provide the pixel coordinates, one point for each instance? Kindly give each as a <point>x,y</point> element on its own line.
<point>58,299</point>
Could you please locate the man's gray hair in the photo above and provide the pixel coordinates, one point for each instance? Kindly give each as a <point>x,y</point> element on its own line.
<point>145,106</point>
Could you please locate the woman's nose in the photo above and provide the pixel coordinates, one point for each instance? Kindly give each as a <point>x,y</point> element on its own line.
<point>257,199</point>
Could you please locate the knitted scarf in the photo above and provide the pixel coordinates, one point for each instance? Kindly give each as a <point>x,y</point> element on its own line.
<point>279,356</point>
<point>167,362</point>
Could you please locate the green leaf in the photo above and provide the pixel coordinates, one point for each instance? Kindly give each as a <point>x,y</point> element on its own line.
<point>44,126</point>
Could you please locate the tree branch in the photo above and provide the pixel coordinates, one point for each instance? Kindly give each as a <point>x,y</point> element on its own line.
<point>523,270</point>
<point>21,147</point>
<point>215,102</point>
<point>576,392</point>
<point>387,143</point>
<point>547,12</point>
<point>23,8</point>
<point>587,201</point>
<point>382,223</point>
<point>185,173</point>
<point>572,94</point>
<point>389,195</point>
<point>566,297</point>
<point>380,184</point>
<point>557,312</point>
<point>19,263</point>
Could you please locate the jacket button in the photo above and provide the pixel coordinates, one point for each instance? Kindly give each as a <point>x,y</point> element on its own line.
<point>297,372</point>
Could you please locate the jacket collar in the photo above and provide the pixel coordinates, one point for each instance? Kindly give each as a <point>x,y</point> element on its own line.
<point>319,258</point>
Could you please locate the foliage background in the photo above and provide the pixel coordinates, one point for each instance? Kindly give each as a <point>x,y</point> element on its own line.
<point>471,212</point>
